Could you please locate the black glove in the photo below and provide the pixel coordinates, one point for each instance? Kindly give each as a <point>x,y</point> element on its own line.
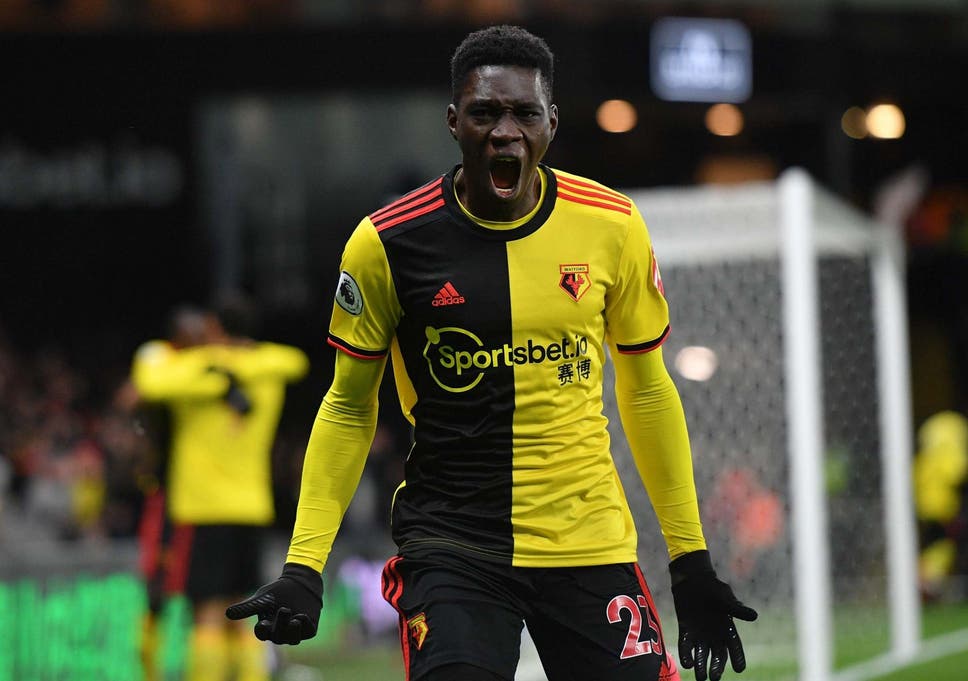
<point>234,396</point>
<point>288,608</point>
<point>705,608</point>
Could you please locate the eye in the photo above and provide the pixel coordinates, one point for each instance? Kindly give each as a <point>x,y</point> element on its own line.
<point>481,112</point>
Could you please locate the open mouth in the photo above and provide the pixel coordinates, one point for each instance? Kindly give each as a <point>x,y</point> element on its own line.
<point>505,173</point>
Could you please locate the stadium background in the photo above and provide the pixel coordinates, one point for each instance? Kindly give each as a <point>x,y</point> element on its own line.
<point>160,151</point>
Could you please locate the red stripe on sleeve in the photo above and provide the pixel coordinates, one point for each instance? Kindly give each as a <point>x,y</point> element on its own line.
<point>648,346</point>
<point>413,198</point>
<point>411,215</point>
<point>355,352</point>
<point>575,184</point>
<point>626,209</point>
<point>595,194</point>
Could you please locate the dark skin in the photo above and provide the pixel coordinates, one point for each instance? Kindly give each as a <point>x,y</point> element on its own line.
<point>503,122</point>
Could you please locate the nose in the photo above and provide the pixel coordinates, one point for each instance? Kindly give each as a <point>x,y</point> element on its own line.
<point>505,129</point>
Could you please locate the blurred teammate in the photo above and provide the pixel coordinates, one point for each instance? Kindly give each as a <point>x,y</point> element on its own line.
<point>497,288</point>
<point>225,399</point>
<point>188,326</point>
<point>940,486</point>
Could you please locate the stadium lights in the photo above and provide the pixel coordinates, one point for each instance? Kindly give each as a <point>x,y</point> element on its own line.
<point>724,120</point>
<point>616,115</point>
<point>696,363</point>
<point>885,121</point>
<point>854,123</point>
<point>880,121</point>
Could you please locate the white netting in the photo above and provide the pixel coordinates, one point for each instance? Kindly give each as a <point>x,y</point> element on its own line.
<point>722,264</point>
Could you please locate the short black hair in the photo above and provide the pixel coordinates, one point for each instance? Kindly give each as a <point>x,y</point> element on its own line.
<point>186,325</point>
<point>237,314</point>
<point>501,46</point>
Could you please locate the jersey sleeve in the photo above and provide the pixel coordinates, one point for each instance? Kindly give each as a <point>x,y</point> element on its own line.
<point>276,360</point>
<point>161,373</point>
<point>636,312</point>
<point>335,456</point>
<point>655,426</point>
<point>366,309</point>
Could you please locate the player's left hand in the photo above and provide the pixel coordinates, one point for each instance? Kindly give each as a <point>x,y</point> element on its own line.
<point>705,608</point>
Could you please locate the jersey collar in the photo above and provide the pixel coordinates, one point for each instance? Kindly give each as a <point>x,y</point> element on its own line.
<point>529,227</point>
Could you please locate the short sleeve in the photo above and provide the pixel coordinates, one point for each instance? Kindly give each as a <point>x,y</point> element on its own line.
<point>366,309</point>
<point>636,312</point>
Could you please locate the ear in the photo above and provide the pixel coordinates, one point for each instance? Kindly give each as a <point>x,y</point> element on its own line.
<point>553,120</point>
<point>452,120</point>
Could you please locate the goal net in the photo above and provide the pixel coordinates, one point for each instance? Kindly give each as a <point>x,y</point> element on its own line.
<point>788,348</point>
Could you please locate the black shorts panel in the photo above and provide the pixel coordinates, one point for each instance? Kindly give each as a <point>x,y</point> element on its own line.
<point>596,624</point>
<point>452,613</point>
<point>588,623</point>
<point>224,561</point>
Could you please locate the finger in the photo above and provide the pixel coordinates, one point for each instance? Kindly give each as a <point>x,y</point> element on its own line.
<point>685,650</point>
<point>243,609</point>
<point>273,628</point>
<point>702,660</point>
<point>281,623</point>
<point>263,630</point>
<point>259,604</point>
<point>734,645</point>
<point>293,632</point>
<point>717,662</point>
<point>307,628</point>
<point>742,612</point>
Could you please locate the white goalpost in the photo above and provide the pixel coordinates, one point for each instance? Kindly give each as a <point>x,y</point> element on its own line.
<point>789,348</point>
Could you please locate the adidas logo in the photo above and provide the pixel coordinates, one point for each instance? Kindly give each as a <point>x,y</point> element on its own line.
<point>447,295</point>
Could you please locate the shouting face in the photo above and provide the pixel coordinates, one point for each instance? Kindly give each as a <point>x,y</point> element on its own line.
<point>503,123</point>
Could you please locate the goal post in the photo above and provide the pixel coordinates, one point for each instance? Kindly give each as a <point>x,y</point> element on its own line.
<point>789,349</point>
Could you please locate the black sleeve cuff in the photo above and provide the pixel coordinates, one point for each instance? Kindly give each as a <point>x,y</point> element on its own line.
<point>305,576</point>
<point>690,564</point>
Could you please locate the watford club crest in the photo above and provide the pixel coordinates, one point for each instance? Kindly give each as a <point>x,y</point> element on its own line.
<point>418,628</point>
<point>574,280</point>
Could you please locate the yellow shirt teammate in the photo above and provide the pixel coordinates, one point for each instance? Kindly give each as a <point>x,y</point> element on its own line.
<point>189,326</point>
<point>220,470</point>
<point>225,401</point>
<point>498,290</point>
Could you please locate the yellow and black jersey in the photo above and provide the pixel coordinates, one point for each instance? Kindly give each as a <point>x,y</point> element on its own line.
<point>220,467</point>
<point>497,335</point>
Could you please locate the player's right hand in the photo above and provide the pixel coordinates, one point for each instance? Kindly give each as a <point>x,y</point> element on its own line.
<point>288,608</point>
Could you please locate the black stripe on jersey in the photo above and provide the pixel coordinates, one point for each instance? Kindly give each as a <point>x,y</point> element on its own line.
<point>647,346</point>
<point>459,474</point>
<point>350,349</point>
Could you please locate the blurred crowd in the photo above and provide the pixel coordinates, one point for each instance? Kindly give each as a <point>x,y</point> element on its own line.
<point>69,458</point>
<point>76,461</point>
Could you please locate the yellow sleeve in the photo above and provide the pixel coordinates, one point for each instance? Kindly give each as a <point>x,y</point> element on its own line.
<point>655,426</point>
<point>635,307</point>
<point>161,374</point>
<point>366,310</point>
<point>337,450</point>
<point>273,359</point>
